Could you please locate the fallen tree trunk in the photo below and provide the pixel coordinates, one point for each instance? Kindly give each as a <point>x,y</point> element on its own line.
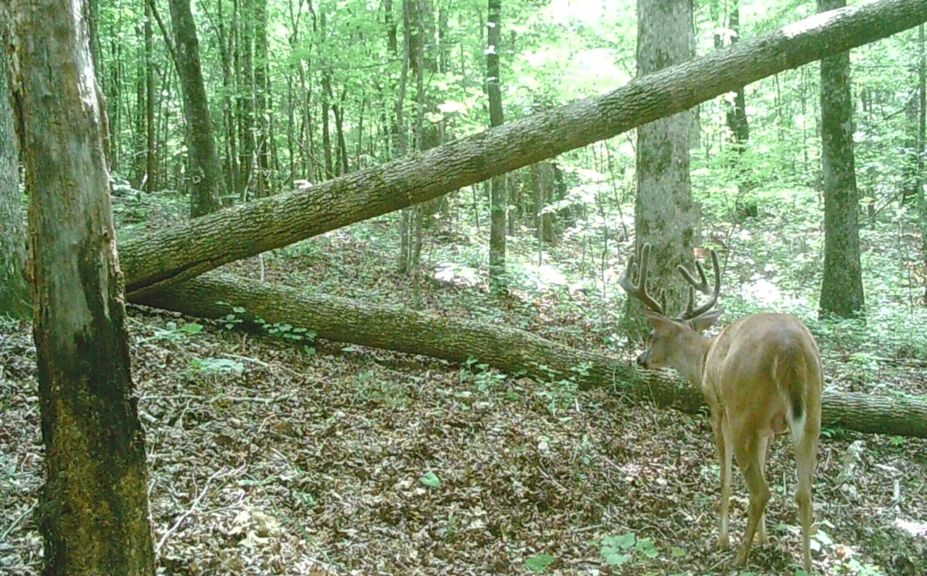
<point>168,257</point>
<point>507,349</point>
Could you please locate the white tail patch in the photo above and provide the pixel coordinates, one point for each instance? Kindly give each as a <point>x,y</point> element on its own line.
<point>797,427</point>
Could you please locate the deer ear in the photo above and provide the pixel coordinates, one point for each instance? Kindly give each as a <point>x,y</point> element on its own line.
<point>705,321</point>
<point>657,320</point>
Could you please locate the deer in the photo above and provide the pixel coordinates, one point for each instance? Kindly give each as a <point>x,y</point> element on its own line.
<point>760,375</point>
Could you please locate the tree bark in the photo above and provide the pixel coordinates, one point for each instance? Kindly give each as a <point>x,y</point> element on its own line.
<point>498,194</point>
<point>205,177</point>
<point>736,113</point>
<point>507,349</point>
<point>665,215</point>
<point>151,158</point>
<point>191,248</point>
<point>93,511</point>
<point>921,143</point>
<point>244,60</point>
<point>14,290</point>
<point>261,99</point>
<point>842,284</point>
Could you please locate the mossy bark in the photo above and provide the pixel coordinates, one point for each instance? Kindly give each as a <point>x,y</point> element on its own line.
<point>93,512</point>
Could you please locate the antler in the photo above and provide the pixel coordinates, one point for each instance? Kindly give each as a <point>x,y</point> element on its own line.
<point>639,290</point>
<point>701,286</point>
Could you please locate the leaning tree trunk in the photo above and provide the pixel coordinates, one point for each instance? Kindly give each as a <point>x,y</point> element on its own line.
<point>189,249</point>
<point>93,512</point>
<point>514,351</point>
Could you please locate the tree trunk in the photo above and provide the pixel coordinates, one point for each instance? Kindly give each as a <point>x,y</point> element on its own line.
<point>245,96</point>
<point>401,146</point>
<point>14,290</point>
<point>842,285</point>
<point>205,176</point>
<point>665,215</point>
<point>921,144</point>
<point>510,350</point>
<point>498,194</point>
<point>326,121</point>
<point>261,95</point>
<point>93,512</point>
<point>187,250</point>
<point>737,113</point>
<point>151,127</point>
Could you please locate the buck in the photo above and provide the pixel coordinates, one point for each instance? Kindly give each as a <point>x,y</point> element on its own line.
<point>760,375</point>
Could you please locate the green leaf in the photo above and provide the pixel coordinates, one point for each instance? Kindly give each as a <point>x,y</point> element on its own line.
<point>191,328</point>
<point>622,542</point>
<point>613,557</point>
<point>646,547</point>
<point>430,479</point>
<point>539,562</point>
<point>615,549</point>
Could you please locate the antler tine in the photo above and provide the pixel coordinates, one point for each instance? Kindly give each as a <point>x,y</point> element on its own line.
<point>702,286</point>
<point>639,290</point>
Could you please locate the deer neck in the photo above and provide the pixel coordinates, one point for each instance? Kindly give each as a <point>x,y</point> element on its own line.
<point>696,348</point>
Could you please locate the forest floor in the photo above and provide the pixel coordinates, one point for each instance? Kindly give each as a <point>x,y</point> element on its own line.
<point>330,459</point>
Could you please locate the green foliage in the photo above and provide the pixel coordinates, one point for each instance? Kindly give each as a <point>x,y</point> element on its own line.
<point>539,562</point>
<point>216,366</point>
<point>173,332</point>
<point>480,375</point>
<point>617,550</point>
<point>430,479</point>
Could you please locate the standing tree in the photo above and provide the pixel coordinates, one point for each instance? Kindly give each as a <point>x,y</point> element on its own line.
<point>93,513</point>
<point>842,286</point>
<point>498,196</point>
<point>736,102</point>
<point>14,291</point>
<point>151,158</point>
<point>921,144</point>
<point>261,99</point>
<point>205,173</point>
<point>665,216</point>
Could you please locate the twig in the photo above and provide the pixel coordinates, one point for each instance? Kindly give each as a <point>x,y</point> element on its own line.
<point>194,505</point>
<point>8,529</point>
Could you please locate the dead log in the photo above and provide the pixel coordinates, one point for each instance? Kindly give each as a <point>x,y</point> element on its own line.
<point>510,350</point>
<point>177,254</point>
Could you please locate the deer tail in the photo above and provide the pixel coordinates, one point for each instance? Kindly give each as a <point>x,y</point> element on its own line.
<point>790,373</point>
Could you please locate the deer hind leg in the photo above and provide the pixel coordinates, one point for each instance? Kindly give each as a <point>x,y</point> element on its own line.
<point>805,456</point>
<point>763,453</point>
<point>748,457</point>
<point>724,455</point>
